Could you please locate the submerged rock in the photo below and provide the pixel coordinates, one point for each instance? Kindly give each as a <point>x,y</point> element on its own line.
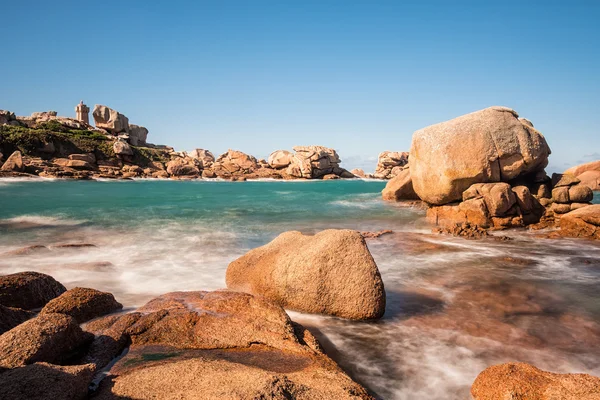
<point>501,148</point>
<point>83,304</point>
<point>524,381</point>
<point>331,273</point>
<point>28,290</point>
<point>50,337</point>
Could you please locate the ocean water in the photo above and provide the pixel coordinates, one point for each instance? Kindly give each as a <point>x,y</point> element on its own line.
<point>455,306</point>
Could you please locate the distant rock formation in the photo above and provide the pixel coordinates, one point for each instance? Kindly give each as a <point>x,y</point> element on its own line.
<point>390,163</point>
<point>588,174</point>
<point>110,120</point>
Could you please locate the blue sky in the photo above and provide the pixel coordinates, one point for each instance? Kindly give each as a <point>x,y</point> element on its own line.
<point>359,76</point>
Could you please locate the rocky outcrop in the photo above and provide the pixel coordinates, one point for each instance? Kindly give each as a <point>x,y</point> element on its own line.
<point>501,148</point>
<point>138,135</point>
<point>11,317</point>
<point>51,338</point>
<point>524,381</point>
<point>280,159</point>
<point>234,163</point>
<point>400,187</point>
<point>221,344</point>
<point>8,118</point>
<point>390,163</point>
<point>14,163</point>
<point>205,157</point>
<point>42,381</point>
<point>588,174</point>
<point>358,172</point>
<point>315,162</point>
<point>83,304</point>
<point>568,194</point>
<point>331,273</point>
<point>182,167</point>
<point>122,148</point>
<point>110,120</point>
<point>581,223</point>
<point>28,290</point>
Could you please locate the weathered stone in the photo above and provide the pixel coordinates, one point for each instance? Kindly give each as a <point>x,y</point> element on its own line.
<point>14,163</point>
<point>524,381</point>
<point>79,164</point>
<point>524,198</point>
<point>280,159</point>
<point>331,272</point>
<point>313,162</point>
<point>560,194</point>
<point>390,163</point>
<point>234,162</point>
<point>400,188</point>
<point>182,167</point>
<point>559,180</point>
<point>122,148</point>
<point>580,193</point>
<point>358,173</point>
<point>583,222</point>
<point>28,290</point>
<point>472,211</point>
<point>83,304</point>
<point>43,381</point>
<point>501,148</point>
<point>577,206</point>
<point>329,177</point>
<point>109,119</point>
<point>541,190</point>
<point>137,135</point>
<point>88,157</point>
<point>560,208</point>
<point>590,179</point>
<point>205,157</point>
<point>580,169</point>
<point>498,197</point>
<point>11,317</point>
<point>48,337</point>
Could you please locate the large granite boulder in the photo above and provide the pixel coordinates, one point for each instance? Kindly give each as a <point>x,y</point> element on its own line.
<point>314,162</point>
<point>331,273</point>
<point>109,119</point>
<point>235,163</point>
<point>588,174</point>
<point>137,135</point>
<point>524,381</point>
<point>390,163</point>
<point>28,290</point>
<point>399,188</point>
<point>122,148</point>
<point>280,159</point>
<point>582,223</point>
<point>491,145</point>
<point>14,163</point>
<point>217,345</point>
<point>51,338</point>
<point>43,381</point>
<point>83,304</point>
<point>182,167</point>
<point>205,157</point>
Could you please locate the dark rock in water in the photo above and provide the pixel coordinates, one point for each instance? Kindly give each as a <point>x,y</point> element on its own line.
<point>331,273</point>
<point>11,317</point>
<point>524,381</point>
<point>51,338</point>
<point>43,381</point>
<point>218,344</point>
<point>72,245</point>
<point>83,304</point>
<point>28,290</point>
<point>25,251</point>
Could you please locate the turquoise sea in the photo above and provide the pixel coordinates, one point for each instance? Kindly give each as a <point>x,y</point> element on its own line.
<point>454,306</point>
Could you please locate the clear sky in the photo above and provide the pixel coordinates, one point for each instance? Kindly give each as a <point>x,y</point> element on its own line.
<point>358,76</point>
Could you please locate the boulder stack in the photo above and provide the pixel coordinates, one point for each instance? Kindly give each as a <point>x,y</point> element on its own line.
<point>390,163</point>
<point>315,162</point>
<point>110,120</point>
<point>568,194</point>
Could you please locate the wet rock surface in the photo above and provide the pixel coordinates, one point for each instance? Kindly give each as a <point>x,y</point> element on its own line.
<point>28,290</point>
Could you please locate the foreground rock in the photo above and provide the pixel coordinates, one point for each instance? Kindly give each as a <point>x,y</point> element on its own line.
<point>28,290</point>
<point>42,381</point>
<point>221,344</point>
<point>331,273</point>
<point>51,338</point>
<point>582,223</point>
<point>501,148</point>
<point>83,304</point>
<point>400,188</point>
<point>524,381</point>
<point>11,317</point>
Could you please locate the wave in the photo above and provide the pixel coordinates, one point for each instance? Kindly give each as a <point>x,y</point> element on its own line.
<point>40,220</point>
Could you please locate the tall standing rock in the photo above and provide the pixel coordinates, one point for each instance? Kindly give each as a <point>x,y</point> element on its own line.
<point>14,163</point>
<point>491,145</point>
<point>109,119</point>
<point>331,273</point>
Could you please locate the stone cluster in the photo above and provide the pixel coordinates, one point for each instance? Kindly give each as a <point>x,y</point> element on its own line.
<point>390,164</point>
<point>116,123</point>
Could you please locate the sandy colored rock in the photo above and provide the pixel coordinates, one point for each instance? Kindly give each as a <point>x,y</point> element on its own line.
<point>89,157</point>
<point>399,188</point>
<point>390,163</point>
<point>498,197</point>
<point>583,222</point>
<point>122,148</point>
<point>313,162</point>
<point>358,172</point>
<point>109,119</point>
<point>331,273</point>
<point>49,337</point>
<point>11,317</point>
<point>43,381</point>
<point>79,164</point>
<point>580,193</point>
<point>205,157</point>
<point>14,163</point>
<point>590,179</point>
<point>560,194</point>
<point>501,148</point>
<point>580,169</point>
<point>280,159</point>
<point>28,290</point>
<point>137,135</point>
<point>235,162</point>
<point>524,381</point>
<point>182,167</point>
<point>559,180</point>
<point>83,304</point>
<point>472,211</point>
